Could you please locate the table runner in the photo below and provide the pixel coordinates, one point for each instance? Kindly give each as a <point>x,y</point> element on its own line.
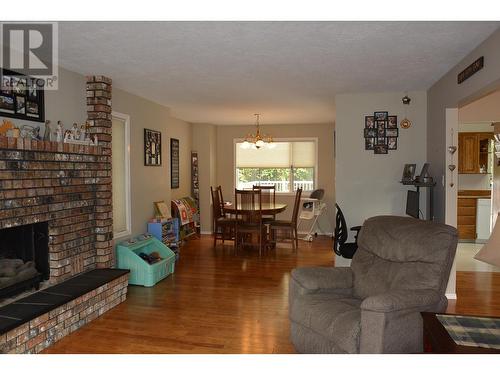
<point>472,330</point>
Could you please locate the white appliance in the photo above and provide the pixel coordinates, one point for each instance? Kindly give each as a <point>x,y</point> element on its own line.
<point>483,217</point>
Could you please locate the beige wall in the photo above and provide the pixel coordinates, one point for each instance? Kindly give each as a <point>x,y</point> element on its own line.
<point>485,127</point>
<point>326,165</point>
<point>205,143</point>
<point>67,104</point>
<point>368,184</point>
<point>447,93</point>
<point>149,184</point>
<point>486,109</point>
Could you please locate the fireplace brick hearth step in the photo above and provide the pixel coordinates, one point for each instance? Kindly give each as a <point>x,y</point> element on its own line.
<point>33,323</point>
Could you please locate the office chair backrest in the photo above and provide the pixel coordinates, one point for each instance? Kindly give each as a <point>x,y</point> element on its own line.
<point>340,231</point>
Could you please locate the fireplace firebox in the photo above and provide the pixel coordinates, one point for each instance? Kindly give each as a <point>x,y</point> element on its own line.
<point>24,258</point>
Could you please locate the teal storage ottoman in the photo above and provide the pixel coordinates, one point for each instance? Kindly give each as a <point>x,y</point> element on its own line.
<point>141,272</point>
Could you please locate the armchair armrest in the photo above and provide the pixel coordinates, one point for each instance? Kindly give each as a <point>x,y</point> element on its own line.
<point>398,300</point>
<point>315,279</point>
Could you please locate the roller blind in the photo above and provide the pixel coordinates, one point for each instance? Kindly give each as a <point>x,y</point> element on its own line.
<point>283,155</point>
<point>303,154</point>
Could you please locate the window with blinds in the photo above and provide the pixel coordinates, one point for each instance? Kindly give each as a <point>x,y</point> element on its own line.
<point>121,176</point>
<point>288,165</point>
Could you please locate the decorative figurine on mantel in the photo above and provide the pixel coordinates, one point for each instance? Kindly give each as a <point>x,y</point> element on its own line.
<point>5,127</point>
<point>83,131</point>
<point>67,136</point>
<point>75,132</point>
<point>59,132</point>
<point>80,135</point>
<point>46,134</point>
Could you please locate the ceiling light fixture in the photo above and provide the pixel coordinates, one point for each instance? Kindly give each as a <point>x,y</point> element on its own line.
<point>257,140</point>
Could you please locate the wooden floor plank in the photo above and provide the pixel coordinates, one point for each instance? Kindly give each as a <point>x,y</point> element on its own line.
<point>217,302</point>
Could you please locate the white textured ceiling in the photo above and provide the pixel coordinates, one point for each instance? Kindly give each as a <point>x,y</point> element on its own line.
<point>290,72</point>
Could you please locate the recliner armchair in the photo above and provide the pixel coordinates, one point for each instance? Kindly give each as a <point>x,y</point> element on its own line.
<point>400,269</point>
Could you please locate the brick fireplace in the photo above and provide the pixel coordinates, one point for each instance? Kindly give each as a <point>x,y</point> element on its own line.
<point>68,187</point>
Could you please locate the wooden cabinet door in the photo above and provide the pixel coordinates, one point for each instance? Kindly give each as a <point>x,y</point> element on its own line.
<point>466,220</point>
<point>468,157</point>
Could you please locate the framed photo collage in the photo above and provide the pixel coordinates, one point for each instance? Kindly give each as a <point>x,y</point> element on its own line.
<point>381,132</point>
<point>20,97</point>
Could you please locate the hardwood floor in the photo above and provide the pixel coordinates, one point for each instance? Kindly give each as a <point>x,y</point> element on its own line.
<point>217,302</point>
<point>478,293</point>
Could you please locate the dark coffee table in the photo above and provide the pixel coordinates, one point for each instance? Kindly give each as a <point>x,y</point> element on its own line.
<point>437,340</point>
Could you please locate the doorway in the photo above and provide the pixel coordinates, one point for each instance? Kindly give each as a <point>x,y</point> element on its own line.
<point>478,171</point>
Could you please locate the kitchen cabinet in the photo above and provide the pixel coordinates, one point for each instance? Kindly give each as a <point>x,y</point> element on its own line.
<point>466,221</point>
<point>467,212</point>
<point>474,151</point>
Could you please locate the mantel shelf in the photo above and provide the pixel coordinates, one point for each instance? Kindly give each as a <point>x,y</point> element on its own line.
<point>28,144</point>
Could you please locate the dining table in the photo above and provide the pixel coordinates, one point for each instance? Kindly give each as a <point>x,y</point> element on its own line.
<point>267,208</point>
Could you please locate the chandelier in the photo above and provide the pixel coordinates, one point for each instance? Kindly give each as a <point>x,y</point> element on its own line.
<point>257,140</point>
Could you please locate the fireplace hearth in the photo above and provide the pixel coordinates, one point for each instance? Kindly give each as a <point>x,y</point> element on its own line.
<point>24,258</point>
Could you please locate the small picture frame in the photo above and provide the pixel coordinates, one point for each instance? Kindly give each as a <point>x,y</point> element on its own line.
<point>174,163</point>
<point>424,172</point>
<point>408,173</point>
<point>152,148</point>
<point>380,149</point>
<point>381,124</point>
<point>20,105</point>
<point>369,122</point>
<point>370,133</point>
<point>381,115</point>
<point>390,132</point>
<point>6,104</point>
<point>392,143</point>
<point>369,143</point>
<point>392,122</point>
<point>381,132</point>
<point>381,141</point>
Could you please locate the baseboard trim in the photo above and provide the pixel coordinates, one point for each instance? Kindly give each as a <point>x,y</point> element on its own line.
<point>330,234</point>
<point>451,295</point>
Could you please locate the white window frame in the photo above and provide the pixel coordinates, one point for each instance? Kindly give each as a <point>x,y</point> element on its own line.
<point>300,139</point>
<point>128,201</point>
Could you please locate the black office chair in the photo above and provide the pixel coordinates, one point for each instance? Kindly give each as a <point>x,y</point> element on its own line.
<point>340,246</point>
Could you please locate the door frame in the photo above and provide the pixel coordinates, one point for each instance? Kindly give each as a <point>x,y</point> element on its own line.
<point>451,188</point>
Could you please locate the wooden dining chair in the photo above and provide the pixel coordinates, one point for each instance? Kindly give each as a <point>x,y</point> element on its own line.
<point>224,227</point>
<point>218,190</point>
<point>288,226</point>
<point>248,205</point>
<point>268,193</point>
